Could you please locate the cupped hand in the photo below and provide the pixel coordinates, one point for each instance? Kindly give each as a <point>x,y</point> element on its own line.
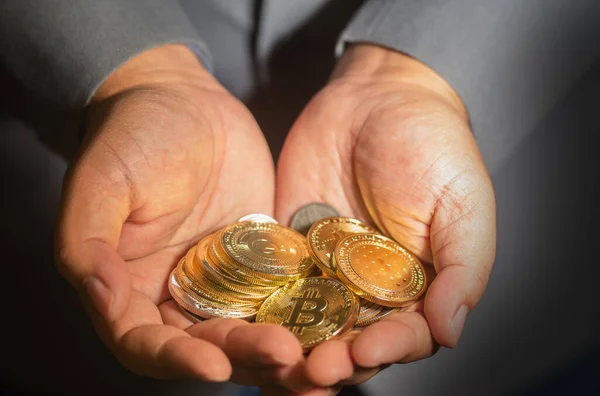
<point>169,156</point>
<point>388,141</point>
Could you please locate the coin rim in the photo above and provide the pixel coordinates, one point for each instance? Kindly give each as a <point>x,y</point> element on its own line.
<point>279,274</point>
<point>263,218</point>
<point>371,294</point>
<point>201,308</point>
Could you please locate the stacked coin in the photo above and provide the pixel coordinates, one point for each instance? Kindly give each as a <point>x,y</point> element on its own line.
<point>258,269</point>
<point>230,273</point>
<point>384,274</point>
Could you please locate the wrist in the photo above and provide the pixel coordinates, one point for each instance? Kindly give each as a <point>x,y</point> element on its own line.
<point>172,63</point>
<point>367,63</point>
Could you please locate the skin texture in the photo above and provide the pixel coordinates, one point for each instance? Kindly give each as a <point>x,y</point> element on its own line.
<point>387,141</point>
<point>170,156</point>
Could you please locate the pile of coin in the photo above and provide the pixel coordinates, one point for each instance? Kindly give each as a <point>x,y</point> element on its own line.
<point>341,274</point>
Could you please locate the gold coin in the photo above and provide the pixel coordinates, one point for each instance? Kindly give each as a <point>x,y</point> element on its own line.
<point>226,264</point>
<point>204,308</point>
<point>273,251</point>
<point>217,255</point>
<point>324,235</point>
<point>218,295</point>
<point>201,287</point>
<point>379,269</point>
<point>210,270</point>
<point>314,309</point>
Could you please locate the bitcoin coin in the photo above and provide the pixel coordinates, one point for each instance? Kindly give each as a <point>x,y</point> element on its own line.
<point>217,255</point>
<point>258,218</point>
<point>379,269</point>
<point>324,235</point>
<point>216,296</point>
<point>210,270</point>
<point>307,215</point>
<point>204,308</point>
<point>314,309</point>
<point>271,250</point>
<point>195,283</point>
<point>219,296</point>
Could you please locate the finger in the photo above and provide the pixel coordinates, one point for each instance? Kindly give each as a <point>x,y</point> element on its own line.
<point>361,375</point>
<point>399,338</point>
<point>330,363</point>
<point>293,377</point>
<point>275,390</point>
<point>463,243</point>
<point>261,353</point>
<point>163,351</point>
<point>250,344</point>
<point>143,344</point>
<point>94,208</point>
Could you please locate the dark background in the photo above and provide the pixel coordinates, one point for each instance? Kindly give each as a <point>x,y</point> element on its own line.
<point>535,332</point>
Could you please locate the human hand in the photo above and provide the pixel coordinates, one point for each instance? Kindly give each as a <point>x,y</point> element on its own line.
<point>388,141</point>
<point>169,157</point>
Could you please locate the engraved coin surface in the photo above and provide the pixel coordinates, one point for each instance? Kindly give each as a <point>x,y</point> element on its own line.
<point>198,266</point>
<point>379,269</point>
<point>324,235</point>
<point>258,218</point>
<point>314,309</point>
<point>267,248</point>
<point>307,215</point>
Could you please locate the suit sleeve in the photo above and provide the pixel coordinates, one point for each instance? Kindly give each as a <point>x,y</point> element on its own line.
<point>510,60</point>
<point>60,51</point>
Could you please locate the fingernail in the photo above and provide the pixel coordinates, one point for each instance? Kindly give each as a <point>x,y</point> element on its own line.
<point>99,295</point>
<point>458,322</point>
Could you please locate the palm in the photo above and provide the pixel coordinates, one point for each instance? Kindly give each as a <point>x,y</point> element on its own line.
<point>376,160</point>
<point>204,176</point>
<point>166,166</point>
<point>399,158</point>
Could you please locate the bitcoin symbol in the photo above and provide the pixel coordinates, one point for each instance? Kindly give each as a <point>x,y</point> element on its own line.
<point>307,311</point>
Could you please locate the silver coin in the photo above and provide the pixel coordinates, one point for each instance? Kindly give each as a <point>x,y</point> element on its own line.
<point>258,218</point>
<point>205,308</point>
<point>308,214</point>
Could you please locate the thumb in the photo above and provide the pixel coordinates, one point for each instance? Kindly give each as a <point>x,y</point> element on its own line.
<point>463,244</point>
<point>93,211</point>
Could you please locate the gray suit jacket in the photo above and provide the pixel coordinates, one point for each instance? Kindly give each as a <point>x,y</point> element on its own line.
<point>510,60</point>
